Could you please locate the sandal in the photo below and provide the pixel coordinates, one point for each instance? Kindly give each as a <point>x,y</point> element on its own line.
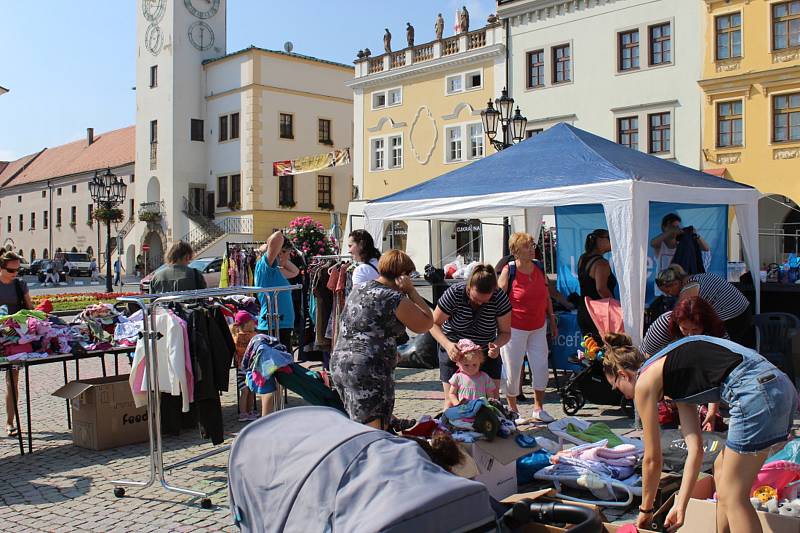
<point>11,431</point>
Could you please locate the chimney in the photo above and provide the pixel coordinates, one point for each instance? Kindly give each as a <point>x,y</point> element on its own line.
<point>89,136</point>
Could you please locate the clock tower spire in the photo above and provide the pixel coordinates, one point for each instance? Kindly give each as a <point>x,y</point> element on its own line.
<point>173,39</point>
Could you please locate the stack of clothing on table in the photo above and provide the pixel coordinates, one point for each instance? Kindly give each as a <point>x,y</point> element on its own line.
<point>101,321</point>
<point>30,334</point>
<point>195,350</point>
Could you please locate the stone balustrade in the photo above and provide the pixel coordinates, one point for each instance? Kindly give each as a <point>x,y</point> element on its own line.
<point>476,39</point>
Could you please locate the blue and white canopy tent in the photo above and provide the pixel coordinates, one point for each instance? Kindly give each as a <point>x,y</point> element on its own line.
<point>568,166</point>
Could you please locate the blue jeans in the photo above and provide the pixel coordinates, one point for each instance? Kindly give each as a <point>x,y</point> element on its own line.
<point>762,403</point>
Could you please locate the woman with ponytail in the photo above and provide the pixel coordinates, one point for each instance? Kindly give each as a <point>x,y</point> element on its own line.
<point>595,277</point>
<point>692,371</point>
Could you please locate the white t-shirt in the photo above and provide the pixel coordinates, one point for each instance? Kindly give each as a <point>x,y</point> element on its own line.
<point>365,272</point>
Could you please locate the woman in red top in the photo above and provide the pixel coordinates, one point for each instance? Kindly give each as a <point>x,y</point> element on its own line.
<point>530,309</point>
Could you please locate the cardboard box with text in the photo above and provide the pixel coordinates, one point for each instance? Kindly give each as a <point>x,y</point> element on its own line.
<point>103,413</point>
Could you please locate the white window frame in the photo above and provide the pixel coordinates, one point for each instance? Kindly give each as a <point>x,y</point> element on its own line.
<point>465,138</point>
<point>399,92</point>
<point>472,137</point>
<point>385,93</point>
<point>392,150</point>
<point>448,142</point>
<point>385,153</point>
<point>462,77</point>
<point>377,154</point>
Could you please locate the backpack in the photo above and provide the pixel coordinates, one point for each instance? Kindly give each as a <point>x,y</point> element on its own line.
<point>512,267</point>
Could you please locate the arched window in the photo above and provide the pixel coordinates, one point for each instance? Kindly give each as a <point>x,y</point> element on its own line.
<point>90,252</point>
<point>74,250</point>
<point>33,255</point>
<point>45,255</point>
<point>468,239</point>
<point>59,250</point>
<point>397,234</point>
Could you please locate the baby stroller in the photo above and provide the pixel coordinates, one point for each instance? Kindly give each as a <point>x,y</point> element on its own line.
<point>589,384</point>
<point>311,469</point>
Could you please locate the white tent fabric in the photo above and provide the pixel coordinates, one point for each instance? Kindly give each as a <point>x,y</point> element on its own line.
<point>626,206</point>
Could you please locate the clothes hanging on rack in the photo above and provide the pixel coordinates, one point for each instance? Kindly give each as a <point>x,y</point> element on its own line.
<point>239,263</point>
<point>195,354</point>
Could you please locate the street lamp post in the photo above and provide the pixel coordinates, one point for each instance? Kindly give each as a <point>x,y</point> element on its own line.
<point>498,116</point>
<point>108,191</point>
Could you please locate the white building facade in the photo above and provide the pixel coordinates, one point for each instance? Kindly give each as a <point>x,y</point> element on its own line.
<point>623,69</point>
<point>209,126</point>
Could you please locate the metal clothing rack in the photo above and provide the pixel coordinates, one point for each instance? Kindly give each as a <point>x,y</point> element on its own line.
<point>229,245</point>
<point>150,303</point>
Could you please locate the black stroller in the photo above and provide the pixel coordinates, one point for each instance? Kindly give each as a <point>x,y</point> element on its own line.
<point>311,469</point>
<point>589,384</point>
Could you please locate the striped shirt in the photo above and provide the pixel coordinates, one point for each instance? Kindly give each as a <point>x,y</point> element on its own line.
<point>478,325</point>
<point>727,300</point>
<point>659,337</point>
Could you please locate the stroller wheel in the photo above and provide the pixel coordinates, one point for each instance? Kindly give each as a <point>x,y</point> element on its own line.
<point>627,407</point>
<point>572,403</point>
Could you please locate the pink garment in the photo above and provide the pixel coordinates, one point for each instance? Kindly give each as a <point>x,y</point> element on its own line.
<point>606,314</point>
<point>188,359</point>
<point>12,349</point>
<point>778,475</point>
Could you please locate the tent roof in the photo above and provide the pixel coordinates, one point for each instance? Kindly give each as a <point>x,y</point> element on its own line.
<point>562,156</point>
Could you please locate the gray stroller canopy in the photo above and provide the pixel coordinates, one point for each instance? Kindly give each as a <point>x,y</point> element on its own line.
<point>311,469</point>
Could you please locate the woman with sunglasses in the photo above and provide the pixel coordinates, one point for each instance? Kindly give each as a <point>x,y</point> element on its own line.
<point>595,278</point>
<point>692,371</point>
<point>14,296</point>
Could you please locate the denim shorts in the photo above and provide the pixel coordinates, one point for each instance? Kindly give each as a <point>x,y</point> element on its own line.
<point>762,403</point>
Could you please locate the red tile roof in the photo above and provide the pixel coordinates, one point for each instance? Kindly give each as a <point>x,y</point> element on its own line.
<point>15,167</point>
<point>111,149</point>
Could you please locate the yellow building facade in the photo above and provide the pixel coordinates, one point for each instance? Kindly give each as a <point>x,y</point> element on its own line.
<point>751,112</point>
<point>416,117</point>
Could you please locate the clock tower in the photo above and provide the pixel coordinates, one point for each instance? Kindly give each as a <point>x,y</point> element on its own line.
<point>173,38</point>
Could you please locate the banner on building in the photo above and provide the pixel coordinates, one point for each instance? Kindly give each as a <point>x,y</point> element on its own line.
<point>311,163</point>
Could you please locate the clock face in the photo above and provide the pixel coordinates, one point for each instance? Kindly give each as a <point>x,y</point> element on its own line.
<point>153,10</point>
<point>201,35</point>
<point>153,39</point>
<point>202,9</point>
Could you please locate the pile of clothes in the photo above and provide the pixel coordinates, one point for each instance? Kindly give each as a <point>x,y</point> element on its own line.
<point>99,322</point>
<point>474,420</point>
<point>30,334</point>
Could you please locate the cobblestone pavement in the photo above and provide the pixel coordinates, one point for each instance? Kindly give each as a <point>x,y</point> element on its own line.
<point>64,488</point>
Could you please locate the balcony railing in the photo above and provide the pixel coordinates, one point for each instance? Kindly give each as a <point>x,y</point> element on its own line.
<point>450,46</point>
<point>235,224</point>
<point>398,60</point>
<point>376,65</point>
<point>463,42</point>
<point>423,53</point>
<point>476,39</point>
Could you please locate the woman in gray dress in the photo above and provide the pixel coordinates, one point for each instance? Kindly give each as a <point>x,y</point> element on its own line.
<point>375,314</point>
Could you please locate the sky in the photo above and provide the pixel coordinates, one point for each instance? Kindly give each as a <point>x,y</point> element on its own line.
<point>70,65</point>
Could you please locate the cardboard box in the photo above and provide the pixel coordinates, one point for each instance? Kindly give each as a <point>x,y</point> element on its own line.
<point>497,464</point>
<point>701,513</point>
<point>103,413</point>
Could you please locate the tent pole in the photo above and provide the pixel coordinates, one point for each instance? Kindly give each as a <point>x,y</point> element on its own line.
<point>506,235</point>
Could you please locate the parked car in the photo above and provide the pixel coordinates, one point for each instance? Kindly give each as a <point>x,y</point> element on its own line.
<point>24,267</point>
<point>51,264</point>
<point>80,261</point>
<point>210,267</point>
<point>35,266</point>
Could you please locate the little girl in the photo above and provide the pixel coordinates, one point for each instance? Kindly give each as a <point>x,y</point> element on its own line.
<point>470,383</point>
<point>243,329</point>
